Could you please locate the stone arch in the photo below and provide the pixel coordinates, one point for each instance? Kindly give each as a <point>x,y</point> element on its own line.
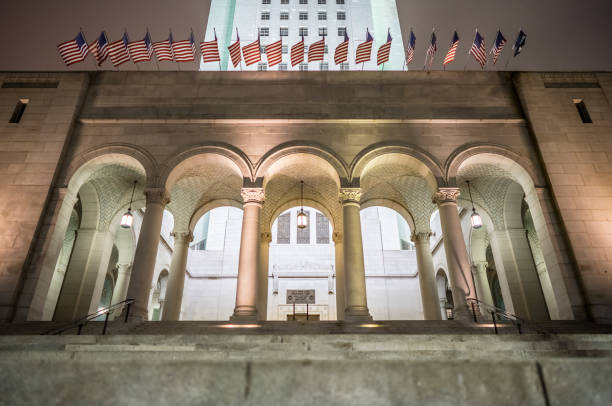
<point>281,151</point>
<point>495,162</point>
<point>82,166</point>
<point>202,175</point>
<point>171,169</point>
<point>208,206</point>
<point>435,175</point>
<point>391,204</point>
<point>394,173</point>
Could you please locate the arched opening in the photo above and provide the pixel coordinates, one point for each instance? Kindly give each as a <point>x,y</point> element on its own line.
<point>98,194</point>
<point>212,265</point>
<point>158,296</point>
<point>301,267</point>
<point>392,286</point>
<point>445,294</point>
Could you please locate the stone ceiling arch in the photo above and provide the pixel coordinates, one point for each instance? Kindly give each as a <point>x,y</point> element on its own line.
<point>393,205</point>
<point>404,179</point>
<point>210,205</point>
<point>321,185</point>
<point>283,151</point>
<point>198,180</point>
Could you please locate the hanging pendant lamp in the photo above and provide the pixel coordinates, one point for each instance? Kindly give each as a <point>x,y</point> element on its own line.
<point>128,219</point>
<point>475,219</point>
<point>302,218</point>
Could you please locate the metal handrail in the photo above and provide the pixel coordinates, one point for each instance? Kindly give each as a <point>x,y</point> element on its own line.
<point>80,323</point>
<point>496,311</point>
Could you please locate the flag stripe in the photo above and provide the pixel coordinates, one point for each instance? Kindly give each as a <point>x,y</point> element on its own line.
<point>184,51</point>
<point>341,53</point>
<point>297,53</point>
<point>252,53</point>
<point>163,52</point>
<point>235,54</point>
<point>210,51</point>
<point>316,51</point>
<point>383,53</point>
<point>275,53</point>
<point>118,52</point>
<point>364,52</point>
<point>74,51</point>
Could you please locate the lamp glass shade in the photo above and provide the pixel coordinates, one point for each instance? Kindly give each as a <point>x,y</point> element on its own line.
<point>302,219</point>
<point>127,220</point>
<point>476,220</point>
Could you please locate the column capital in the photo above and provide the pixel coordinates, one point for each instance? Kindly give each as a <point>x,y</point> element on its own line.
<point>337,237</point>
<point>446,195</point>
<point>266,238</point>
<point>157,196</point>
<point>420,238</point>
<point>124,268</point>
<point>182,237</point>
<point>480,266</point>
<point>252,195</point>
<point>350,195</point>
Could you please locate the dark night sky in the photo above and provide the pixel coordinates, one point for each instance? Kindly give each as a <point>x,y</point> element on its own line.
<point>562,34</point>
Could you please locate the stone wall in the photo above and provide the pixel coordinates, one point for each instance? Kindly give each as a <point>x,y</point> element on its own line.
<point>578,160</point>
<point>30,153</point>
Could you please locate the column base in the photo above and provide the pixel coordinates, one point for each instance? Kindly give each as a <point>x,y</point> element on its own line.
<point>244,314</point>
<point>463,313</point>
<point>357,315</point>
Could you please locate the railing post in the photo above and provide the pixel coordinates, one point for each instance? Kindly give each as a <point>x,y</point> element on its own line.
<point>105,323</point>
<point>80,328</point>
<point>127,312</point>
<point>474,312</point>
<point>518,325</point>
<point>494,321</point>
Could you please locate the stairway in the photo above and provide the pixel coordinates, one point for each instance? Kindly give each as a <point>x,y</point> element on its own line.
<point>400,362</point>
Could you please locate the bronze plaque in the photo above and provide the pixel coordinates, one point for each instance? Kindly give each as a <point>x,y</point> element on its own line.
<point>301,296</point>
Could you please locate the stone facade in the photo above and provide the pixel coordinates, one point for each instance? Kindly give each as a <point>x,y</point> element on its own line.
<point>197,139</point>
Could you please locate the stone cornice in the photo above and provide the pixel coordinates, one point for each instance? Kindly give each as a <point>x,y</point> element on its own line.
<point>252,195</point>
<point>157,196</point>
<point>446,195</point>
<point>350,195</point>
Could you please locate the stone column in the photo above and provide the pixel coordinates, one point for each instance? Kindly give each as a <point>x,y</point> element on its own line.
<point>146,253</point>
<point>176,279</point>
<point>481,282</point>
<point>121,285</point>
<point>262,276</point>
<point>340,278</point>
<point>443,308</point>
<point>456,252</point>
<point>354,270</point>
<point>427,277</point>
<point>246,289</point>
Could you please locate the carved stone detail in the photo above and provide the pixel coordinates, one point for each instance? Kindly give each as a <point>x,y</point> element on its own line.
<point>266,238</point>
<point>418,238</point>
<point>446,195</point>
<point>337,237</point>
<point>252,195</point>
<point>157,196</point>
<point>350,195</point>
<point>182,237</point>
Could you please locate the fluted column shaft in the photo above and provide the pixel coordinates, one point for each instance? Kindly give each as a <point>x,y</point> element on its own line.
<point>354,269</point>
<point>146,253</point>
<point>456,252</point>
<point>248,261</point>
<point>176,279</point>
<point>427,278</point>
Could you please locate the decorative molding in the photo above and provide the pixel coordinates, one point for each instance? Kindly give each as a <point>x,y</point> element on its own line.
<point>420,238</point>
<point>182,237</point>
<point>350,195</point>
<point>337,237</point>
<point>285,121</point>
<point>266,238</point>
<point>446,195</point>
<point>157,196</point>
<point>252,195</point>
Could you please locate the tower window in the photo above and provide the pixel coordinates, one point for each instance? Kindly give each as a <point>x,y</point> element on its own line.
<point>265,1</point>
<point>264,32</point>
<point>19,109</point>
<point>262,66</point>
<point>582,110</point>
<point>303,1</point>
<point>265,15</point>
<point>283,228</point>
<point>322,16</point>
<point>322,229</point>
<point>303,15</point>
<point>322,31</point>
<point>284,1</point>
<point>282,66</point>
<point>284,15</point>
<point>324,66</point>
<point>322,1</point>
<point>284,32</point>
<point>339,1</point>
<point>304,67</point>
<point>341,15</point>
<point>303,31</point>
<point>341,31</point>
<point>344,66</point>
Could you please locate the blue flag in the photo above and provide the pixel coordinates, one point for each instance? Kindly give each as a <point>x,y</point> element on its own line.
<point>520,42</point>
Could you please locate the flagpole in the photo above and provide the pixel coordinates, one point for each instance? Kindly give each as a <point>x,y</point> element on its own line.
<point>467,60</point>
<point>152,52</point>
<point>128,51</point>
<point>215,30</point>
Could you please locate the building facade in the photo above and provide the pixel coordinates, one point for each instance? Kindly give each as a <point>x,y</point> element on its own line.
<point>533,146</point>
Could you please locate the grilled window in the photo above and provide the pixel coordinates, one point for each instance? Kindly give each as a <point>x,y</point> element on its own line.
<point>283,228</point>
<point>322,228</point>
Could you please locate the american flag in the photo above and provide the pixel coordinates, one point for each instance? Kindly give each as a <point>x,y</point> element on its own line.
<point>141,51</point>
<point>433,47</point>
<point>384,50</point>
<point>478,50</point>
<point>252,52</point>
<point>75,50</point>
<point>450,55</point>
<point>184,51</point>
<point>297,53</point>
<point>99,48</point>
<point>341,53</point>
<point>410,49</point>
<point>275,53</point>
<point>234,51</point>
<point>500,41</point>
<point>118,51</point>
<point>316,51</point>
<point>520,42</point>
<point>210,50</point>
<point>364,50</point>
<point>163,50</point>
